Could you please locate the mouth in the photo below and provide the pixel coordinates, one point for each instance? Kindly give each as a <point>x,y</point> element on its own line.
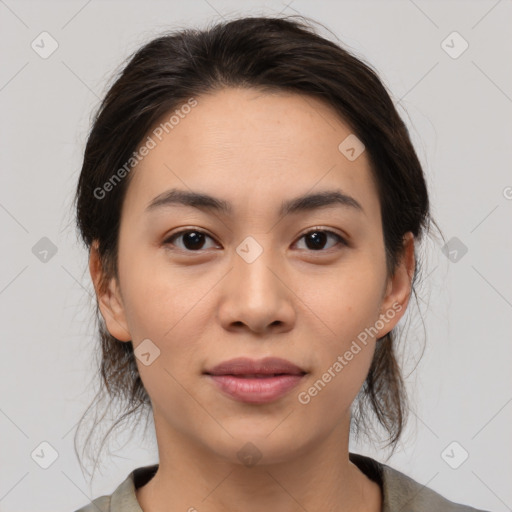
<point>256,381</point>
<point>267,367</point>
<point>256,375</point>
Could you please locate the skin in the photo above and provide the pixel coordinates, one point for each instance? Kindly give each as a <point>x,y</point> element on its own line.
<point>200,308</point>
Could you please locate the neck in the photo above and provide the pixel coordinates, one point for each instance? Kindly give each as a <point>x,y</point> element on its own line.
<point>193,478</point>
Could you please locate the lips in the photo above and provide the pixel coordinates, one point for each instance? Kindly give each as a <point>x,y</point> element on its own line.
<point>256,382</point>
<point>249,368</point>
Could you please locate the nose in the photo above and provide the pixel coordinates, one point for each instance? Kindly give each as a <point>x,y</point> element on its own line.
<point>257,296</point>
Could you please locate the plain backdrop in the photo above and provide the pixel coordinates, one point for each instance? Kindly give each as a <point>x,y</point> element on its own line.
<point>457,103</point>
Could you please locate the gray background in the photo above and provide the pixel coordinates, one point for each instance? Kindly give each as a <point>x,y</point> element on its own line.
<point>459,114</point>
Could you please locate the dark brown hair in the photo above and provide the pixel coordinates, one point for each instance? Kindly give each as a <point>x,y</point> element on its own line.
<point>268,53</point>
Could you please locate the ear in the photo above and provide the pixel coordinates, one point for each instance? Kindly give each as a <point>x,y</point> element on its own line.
<point>398,288</point>
<point>109,298</point>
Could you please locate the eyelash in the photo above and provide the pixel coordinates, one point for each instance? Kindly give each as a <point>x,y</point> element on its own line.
<point>340,239</point>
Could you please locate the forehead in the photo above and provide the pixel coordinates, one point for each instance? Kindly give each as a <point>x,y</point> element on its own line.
<point>250,148</point>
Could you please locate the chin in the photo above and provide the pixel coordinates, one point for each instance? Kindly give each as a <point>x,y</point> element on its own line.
<point>265,445</point>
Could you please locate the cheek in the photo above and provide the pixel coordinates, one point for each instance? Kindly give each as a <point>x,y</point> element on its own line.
<point>157,296</point>
<point>327,399</point>
<point>346,301</point>
<point>347,306</point>
<point>172,308</point>
<point>343,355</point>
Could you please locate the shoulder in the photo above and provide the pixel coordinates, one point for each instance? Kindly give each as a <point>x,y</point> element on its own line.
<point>403,493</point>
<point>123,499</point>
<point>101,504</point>
<point>400,492</point>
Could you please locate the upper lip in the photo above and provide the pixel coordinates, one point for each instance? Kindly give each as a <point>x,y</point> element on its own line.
<point>247,366</point>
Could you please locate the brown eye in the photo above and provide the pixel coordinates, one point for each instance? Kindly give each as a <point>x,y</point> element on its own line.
<point>192,240</point>
<point>316,239</point>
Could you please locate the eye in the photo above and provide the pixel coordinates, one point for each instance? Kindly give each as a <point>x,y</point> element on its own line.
<point>316,238</point>
<point>193,239</point>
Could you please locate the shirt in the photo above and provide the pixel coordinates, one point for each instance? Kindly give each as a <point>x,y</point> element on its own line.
<point>400,493</point>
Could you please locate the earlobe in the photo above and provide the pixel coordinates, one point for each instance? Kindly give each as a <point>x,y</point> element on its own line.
<point>399,287</point>
<point>108,297</point>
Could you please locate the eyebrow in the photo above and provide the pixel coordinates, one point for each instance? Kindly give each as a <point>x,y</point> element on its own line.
<point>306,202</point>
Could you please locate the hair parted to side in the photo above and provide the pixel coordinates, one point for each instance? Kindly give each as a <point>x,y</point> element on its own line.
<point>271,54</point>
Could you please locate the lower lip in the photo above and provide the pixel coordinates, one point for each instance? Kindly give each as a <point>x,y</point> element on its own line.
<point>256,390</point>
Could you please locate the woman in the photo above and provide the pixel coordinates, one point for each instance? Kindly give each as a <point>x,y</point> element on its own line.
<point>251,201</point>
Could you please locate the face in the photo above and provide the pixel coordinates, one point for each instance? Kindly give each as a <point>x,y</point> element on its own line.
<point>200,285</point>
